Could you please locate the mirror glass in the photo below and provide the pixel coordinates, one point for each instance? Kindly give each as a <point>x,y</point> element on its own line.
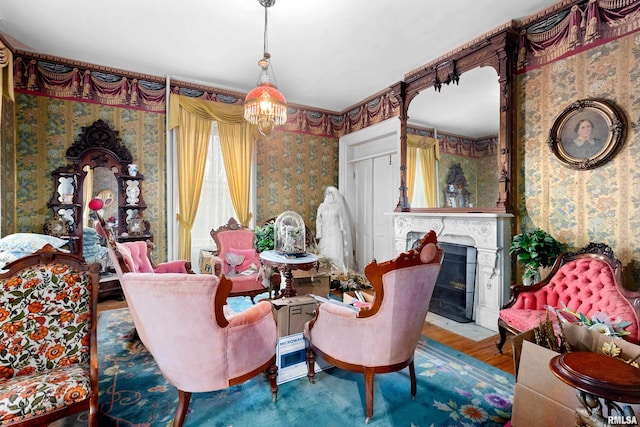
<point>101,183</point>
<point>465,118</point>
<point>66,189</point>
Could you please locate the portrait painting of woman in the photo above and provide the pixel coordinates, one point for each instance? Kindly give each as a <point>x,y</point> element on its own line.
<point>588,133</point>
<point>586,137</point>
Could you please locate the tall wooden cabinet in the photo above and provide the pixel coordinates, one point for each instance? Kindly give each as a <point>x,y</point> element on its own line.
<point>97,146</point>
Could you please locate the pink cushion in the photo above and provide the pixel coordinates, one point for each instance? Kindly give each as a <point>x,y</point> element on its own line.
<point>178,266</point>
<point>585,285</point>
<point>135,256</point>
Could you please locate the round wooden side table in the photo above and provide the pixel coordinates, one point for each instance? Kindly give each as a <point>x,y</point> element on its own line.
<point>286,265</point>
<point>598,376</point>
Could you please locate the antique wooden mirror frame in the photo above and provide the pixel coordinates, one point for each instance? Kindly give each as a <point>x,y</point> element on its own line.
<point>97,145</point>
<point>497,50</point>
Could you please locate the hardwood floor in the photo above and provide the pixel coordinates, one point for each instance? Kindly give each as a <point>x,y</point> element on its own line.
<point>484,350</point>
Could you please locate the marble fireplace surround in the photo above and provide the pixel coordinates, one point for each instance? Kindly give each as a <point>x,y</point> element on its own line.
<point>489,233</point>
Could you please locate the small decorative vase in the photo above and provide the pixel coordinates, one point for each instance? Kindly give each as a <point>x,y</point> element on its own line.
<point>531,280</point>
<point>133,169</point>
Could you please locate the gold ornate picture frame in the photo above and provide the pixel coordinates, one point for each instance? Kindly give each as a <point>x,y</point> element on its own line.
<point>588,133</point>
<point>57,226</point>
<point>137,226</point>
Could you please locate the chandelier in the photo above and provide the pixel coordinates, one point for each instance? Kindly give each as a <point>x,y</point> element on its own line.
<point>265,106</point>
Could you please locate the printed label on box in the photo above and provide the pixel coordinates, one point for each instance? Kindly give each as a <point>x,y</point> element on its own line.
<point>291,358</point>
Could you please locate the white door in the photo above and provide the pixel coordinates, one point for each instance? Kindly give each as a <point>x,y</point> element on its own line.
<point>361,205</point>
<point>369,181</point>
<point>386,181</point>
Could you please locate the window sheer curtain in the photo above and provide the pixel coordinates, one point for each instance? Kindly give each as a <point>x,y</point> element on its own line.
<point>428,151</point>
<point>193,118</point>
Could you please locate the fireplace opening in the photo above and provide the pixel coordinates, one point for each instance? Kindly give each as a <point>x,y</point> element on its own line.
<point>453,295</point>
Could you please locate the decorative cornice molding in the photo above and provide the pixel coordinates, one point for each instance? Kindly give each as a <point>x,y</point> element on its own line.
<point>478,41</point>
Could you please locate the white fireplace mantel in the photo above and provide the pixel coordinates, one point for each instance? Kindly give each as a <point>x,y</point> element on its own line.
<point>488,233</point>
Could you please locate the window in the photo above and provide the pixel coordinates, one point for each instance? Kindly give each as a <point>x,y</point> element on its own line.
<point>215,206</point>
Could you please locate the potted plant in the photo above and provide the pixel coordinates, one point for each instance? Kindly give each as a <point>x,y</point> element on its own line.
<point>264,237</point>
<point>534,250</point>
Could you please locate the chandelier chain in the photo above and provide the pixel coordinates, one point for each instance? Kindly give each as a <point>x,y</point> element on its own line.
<point>266,37</point>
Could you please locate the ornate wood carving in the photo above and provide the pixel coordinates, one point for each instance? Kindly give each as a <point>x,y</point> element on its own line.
<point>496,50</point>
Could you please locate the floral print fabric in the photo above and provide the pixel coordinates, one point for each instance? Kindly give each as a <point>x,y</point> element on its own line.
<point>45,324</point>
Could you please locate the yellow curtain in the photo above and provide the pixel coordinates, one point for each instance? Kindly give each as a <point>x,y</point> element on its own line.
<point>429,152</point>
<point>236,152</point>
<point>6,76</point>
<point>236,139</point>
<point>87,194</point>
<point>412,152</point>
<point>193,142</point>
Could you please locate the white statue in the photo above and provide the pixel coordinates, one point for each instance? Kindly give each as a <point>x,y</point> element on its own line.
<point>334,230</point>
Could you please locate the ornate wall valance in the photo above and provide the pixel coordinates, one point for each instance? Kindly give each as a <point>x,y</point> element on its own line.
<point>458,145</point>
<point>61,78</point>
<point>569,30</point>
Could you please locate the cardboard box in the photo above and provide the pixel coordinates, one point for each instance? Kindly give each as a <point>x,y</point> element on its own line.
<point>312,282</point>
<point>541,398</point>
<point>292,313</point>
<point>204,261</point>
<point>291,358</point>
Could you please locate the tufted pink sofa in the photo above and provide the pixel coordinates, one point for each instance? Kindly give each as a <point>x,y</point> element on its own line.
<point>587,281</point>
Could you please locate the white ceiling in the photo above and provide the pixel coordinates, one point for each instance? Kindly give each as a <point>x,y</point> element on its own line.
<point>327,54</point>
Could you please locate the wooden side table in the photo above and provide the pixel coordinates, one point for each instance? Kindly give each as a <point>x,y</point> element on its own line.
<point>597,376</point>
<point>286,266</point>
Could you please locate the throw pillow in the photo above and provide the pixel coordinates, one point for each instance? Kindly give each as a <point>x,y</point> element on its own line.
<point>249,258</point>
<point>29,242</point>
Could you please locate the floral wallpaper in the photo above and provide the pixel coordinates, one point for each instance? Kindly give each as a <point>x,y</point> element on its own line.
<point>480,173</point>
<point>48,126</point>
<point>293,169</point>
<point>7,168</point>
<point>582,206</point>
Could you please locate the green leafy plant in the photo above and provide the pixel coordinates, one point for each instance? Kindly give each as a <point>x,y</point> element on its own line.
<point>534,250</point>
<point>264,237</point>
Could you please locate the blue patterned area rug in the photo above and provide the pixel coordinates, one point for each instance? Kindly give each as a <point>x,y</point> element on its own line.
<point>453,390</point>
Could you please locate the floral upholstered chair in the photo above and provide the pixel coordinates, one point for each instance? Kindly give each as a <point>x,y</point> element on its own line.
<point>382,338</point>
<point>238,258</point>
<point>181,321</point>
<point>586,282</point>
<point>48,347</point>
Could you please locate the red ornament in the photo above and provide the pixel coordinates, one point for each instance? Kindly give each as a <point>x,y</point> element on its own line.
<point>96,204</point>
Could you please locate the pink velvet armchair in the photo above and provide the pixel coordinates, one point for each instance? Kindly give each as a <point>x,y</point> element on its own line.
<point>383,338</point>
<point>233,240</point>
<point>587,282</point>
<point>181,322</point>
<point>135,256</point>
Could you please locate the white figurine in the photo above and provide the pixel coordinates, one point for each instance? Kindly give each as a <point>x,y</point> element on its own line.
<point>334,230</point>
